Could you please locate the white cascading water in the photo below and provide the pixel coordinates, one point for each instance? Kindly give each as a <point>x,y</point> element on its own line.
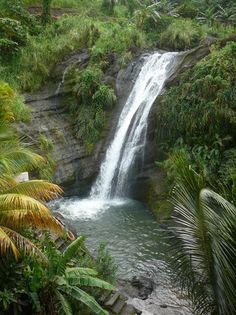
<point>130,135</point>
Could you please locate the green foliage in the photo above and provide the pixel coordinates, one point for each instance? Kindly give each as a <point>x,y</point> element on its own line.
<point>54,287</point>
<point>46,169</point>
<point>46,11</point>
<point>105,264</point>
<point>12,105</point>
<point>116,38</point>
<point>197,117</point>
<point>45,143</point>
<point>14,9</point>
<point>104,97</point>
<point>203,244</point>
<point>93,100</point>
<point>188,10</point>
<point>12,35</point>
<point>108,6</point>
<point>181,34</point>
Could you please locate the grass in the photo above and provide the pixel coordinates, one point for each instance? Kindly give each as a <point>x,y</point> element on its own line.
<point>30,68</point>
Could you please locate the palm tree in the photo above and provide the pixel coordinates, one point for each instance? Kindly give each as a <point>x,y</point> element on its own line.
<point>63,283</point>
<point>226,16</point>
<point>21,203</point>
<point>204,244</point>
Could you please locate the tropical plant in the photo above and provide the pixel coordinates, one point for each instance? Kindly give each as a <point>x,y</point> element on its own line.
<point>62,284</point>
<point>208,16</point>
<point>198,116</point>
<point>226,16</point>
<point>203,251</point>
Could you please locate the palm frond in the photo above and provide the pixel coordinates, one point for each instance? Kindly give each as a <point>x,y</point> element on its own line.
<point>13,242</point>
<point>17,211</point>
<point>37,189</point>
<point>15,158</point>
<point>203,245</point>
<point>6,182</point>
<point>6,244</point>
<point>222,223</point>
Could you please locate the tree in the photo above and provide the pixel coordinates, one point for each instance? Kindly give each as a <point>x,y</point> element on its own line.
<point>204,244</point>
<point>46,11</point>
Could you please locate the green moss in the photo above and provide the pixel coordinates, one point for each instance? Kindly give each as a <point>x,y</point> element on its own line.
<point>158,203</point>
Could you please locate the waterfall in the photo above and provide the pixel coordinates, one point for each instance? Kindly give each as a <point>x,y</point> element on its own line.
<point>130,135</point>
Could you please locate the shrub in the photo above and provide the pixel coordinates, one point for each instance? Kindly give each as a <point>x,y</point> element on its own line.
<point>116,38</point>
<point>181,34</point>
<point>104,97</point>
<point>12,34</point>
<point>15,10</point>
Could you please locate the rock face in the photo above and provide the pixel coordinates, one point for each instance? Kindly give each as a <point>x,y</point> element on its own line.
<point>75,166</point>
<point>50,117</point>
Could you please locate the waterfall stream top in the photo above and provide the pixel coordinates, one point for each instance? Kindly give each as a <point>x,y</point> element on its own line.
<point>130,135</point>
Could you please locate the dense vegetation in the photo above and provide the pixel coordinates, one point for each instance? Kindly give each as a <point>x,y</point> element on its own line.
<point>196,128</point>
<point>197,118</point>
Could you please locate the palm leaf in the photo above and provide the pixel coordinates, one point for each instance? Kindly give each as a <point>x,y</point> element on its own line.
<point>203,251</point>
<point>68,254</point>
<point>72,250</point>
<point>222,222</point>
<point>37,189</point>
<point>88,281</point>
<point>80,271</point>
<point>17,211</point>
<point>6,182</point>
<point>15,159</point>
<point>63,306</point>
<point>13,242</point>
<point>85,298</point>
